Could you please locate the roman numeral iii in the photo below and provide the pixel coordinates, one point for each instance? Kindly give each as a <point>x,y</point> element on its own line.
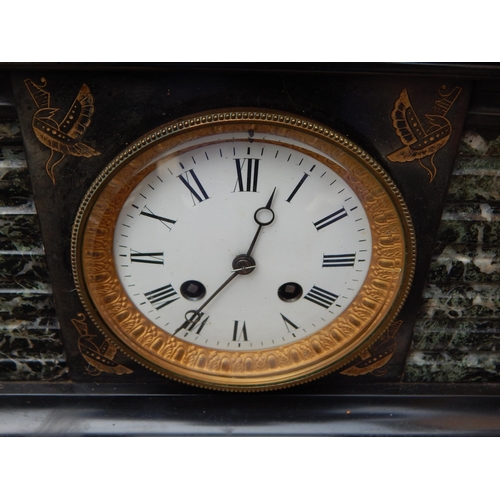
<point>321,297</point>
<point>340,260</point>
<point>162,297</point>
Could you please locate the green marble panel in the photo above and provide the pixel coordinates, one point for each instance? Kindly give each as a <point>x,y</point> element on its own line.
<point>459,263</point>
<point>30,345</point>
<point>23,271</point>
<point>474,188</point>
<point>456,334</point>
<point>465,211</point>
<point>472,301</point>
<point>15,181</point>
<point>469,232</point>
<point>26,308</point>
<point>477,366</point>
<point>15,189</point>
<point>468,264</point>
<point>20,233</point>
<point>22,342</point>
<point>12,158</point>
<point>10,130</point>
<point>474,145</point>
<point>16,203</point>
<point>33,369</point>
<point>477,165</point>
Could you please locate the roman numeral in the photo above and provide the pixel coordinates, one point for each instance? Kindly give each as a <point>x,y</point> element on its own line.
<point>330,219</point>
<point>197,191</point>
<point>340,260</point>
<point>321,297</point>
<point>297,187</point>
<point>238,332</point>
<point>288,322</point>
<point>161,297</point>
<point>146,258</point>
<point>198,324</point>
<point>249,181</point>
<point>164,220</point>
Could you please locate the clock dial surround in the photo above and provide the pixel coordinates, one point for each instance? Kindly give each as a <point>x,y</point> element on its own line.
<point>174,217</point>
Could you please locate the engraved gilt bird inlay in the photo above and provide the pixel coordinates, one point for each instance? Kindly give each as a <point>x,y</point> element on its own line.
<point>62,138</point>
<point>99,358</point>
<point>422,139</point>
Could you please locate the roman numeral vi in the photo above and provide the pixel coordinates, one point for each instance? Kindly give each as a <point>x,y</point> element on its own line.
<point>240,333</point>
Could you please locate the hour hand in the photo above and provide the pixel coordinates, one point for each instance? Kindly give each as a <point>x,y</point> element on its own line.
<point>263,216</point>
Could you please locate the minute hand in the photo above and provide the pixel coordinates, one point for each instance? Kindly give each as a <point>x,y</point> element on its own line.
<point>261,219</point>
<point>196,313</point>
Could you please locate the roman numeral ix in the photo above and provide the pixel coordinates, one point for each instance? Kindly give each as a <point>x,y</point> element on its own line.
<point>321,297</point>
<point>161,297</point>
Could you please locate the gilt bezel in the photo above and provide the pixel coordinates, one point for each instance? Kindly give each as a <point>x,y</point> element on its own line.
<point>366,318</point>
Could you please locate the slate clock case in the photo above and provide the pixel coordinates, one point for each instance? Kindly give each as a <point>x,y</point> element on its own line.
<point>75,123</point>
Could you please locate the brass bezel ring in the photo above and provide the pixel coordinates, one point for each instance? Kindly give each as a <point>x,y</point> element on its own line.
<point>366,318</point>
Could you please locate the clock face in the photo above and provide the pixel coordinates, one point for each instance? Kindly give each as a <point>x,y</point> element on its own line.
<point>243,250</point>
<point>186,222</point>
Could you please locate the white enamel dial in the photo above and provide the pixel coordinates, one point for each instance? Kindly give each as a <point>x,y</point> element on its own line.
<point>182,227</point>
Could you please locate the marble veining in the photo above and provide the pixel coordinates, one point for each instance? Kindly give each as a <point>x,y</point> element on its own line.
<point>30,345</point>
<point>10,130</point>
<point>469,232</point>
<point>461,263</point>
<point>21,271</point>
<point>35,368</point>
<point>472,300</point>
<point>20,233</point>
<point>21,307</point>
<point>457,335</point>
<point>473,366</point>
